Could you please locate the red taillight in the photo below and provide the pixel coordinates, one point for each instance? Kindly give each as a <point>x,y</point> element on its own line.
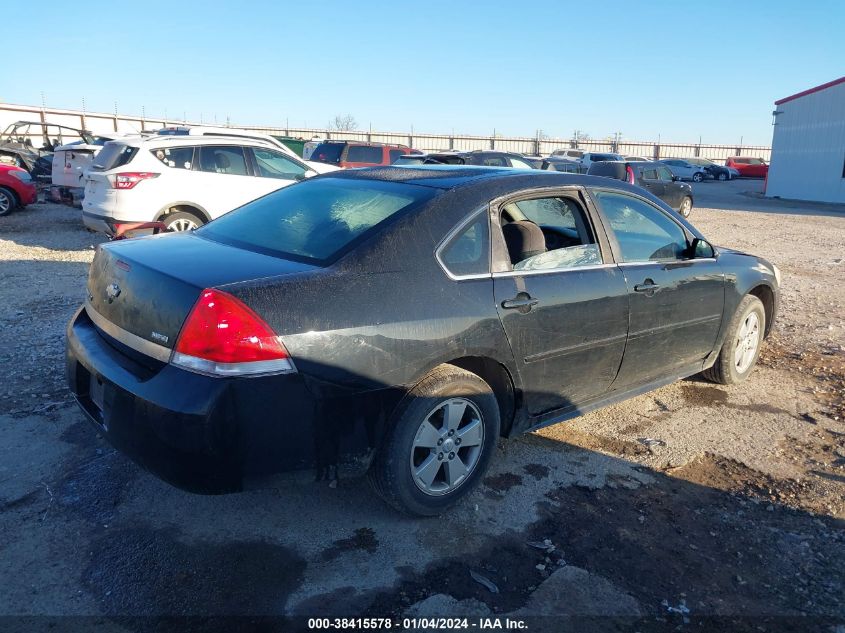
<point>129,179</point>
<point>222,336</point>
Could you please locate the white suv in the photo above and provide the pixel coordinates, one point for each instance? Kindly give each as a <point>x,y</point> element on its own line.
<point>183,181</point>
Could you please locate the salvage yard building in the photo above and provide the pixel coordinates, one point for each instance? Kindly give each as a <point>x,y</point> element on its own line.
<point>808,145</point>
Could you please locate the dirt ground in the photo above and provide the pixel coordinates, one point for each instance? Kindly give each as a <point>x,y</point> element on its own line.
<point>694,504</point>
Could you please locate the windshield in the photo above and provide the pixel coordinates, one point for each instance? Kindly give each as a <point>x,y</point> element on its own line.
<point>316,220</point>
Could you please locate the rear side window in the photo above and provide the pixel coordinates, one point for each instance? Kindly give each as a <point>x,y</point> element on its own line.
<point>176,157</point>
<point>364,154</point>
<point>327,153</point>
<point>548,234</point>
<point>468,252</point>
<point>315,220</point>
<point>222,159</point>
<point>114,155</point>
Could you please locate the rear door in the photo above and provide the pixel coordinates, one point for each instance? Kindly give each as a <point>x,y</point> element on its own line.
<point>221,179</point>
<point>564,309</point>
<point>676,301</point>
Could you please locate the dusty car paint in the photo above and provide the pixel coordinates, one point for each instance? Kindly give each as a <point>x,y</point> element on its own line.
<point>367,327</point>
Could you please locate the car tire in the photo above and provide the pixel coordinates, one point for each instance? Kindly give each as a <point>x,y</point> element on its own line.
<point>742,345</point>
<point>8,201</point>
<point>697,177</point>
<point>182,221</point>
<point>685,208</point>
<point>723,176</point>
<point>421,437</point>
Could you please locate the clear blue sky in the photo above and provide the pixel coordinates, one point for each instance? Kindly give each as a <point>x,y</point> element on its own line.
<point>681,70</point>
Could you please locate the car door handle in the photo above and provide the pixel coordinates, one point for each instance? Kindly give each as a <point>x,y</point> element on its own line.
<point>648,286</point>
<point>520,302</point>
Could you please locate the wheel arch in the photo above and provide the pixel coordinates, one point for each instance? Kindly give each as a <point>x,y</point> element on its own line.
<point>767,297</point>
<point>188,207</point>
<point>499,378</point>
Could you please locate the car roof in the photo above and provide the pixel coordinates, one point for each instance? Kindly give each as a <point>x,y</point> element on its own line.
<point>455,176</point>
<point>166,140</point>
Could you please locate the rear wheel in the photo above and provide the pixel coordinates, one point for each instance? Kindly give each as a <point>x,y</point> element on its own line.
<point>182,221</point>
<point>686,207</point>
<point>741,348</point>
<point>697,177</point>
<point>8,201</point>
<point>439,444</point>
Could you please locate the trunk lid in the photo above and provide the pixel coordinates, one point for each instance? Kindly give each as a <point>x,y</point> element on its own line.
<point>147,286</point>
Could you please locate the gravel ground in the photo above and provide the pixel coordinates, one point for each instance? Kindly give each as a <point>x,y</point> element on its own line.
<point>735,518</point>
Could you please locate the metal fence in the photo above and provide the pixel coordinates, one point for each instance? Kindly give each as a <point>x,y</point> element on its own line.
<point>99,122</point>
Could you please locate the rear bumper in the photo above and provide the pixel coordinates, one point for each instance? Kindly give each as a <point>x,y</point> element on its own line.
<point>203,434</point>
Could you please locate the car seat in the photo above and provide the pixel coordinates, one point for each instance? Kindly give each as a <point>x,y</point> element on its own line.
<point>524,239</point>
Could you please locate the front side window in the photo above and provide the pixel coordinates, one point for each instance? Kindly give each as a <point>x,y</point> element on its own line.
<point>396,154</point>
<point>222,159</point>
<point>493,161</point>
<point>364,154</point>
<point>644,232</point>
<point>467,253</point>
<point>547,234</point>
<point>649,174</point>
<point>664,173</point>
<point>273,164</point>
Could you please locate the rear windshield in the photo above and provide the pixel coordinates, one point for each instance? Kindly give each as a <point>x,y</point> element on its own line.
<point>317,220</point>
<point>598,157</point>
<point>113,155</point>
<point>328,153</point>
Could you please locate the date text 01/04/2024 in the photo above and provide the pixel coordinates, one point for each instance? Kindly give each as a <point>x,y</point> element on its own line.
<point>433,624</point>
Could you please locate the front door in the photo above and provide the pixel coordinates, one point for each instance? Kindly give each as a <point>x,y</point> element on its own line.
<point>672,190</point>
<point>565,311</point>
<point>676,300</point>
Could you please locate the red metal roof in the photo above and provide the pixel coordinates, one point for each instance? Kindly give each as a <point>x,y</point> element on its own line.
<point>829,84</point>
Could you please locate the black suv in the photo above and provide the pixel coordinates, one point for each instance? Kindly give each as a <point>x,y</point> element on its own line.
<point>654,177</point>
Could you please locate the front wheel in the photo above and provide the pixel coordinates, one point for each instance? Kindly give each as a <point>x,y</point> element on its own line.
<point>741,348</point>
<point>8,201</point>
<point>722,176</point>
<point>686,207</point>
<point>440,443</point>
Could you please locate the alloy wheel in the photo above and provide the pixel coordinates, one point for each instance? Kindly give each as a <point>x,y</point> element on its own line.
<point>181,224</point>
<point>747,342</point>
<point>447,446</point>
<point>5,203</point>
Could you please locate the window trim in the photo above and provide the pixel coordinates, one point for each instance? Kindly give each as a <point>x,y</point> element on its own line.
<point>454,232</point>
<point>611,234</point>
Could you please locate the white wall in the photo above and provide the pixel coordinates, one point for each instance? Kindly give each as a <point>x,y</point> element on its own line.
<point>808,148</point>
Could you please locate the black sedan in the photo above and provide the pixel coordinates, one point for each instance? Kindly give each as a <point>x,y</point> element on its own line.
<point>397,321</point>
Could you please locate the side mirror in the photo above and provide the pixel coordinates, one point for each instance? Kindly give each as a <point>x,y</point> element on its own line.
<point>701,249</point>
<point>675,178</point>
<point>306,174</point>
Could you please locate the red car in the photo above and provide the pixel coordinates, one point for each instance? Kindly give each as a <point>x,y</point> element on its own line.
<point>358,154</point>
<point>17,188</point>
<point>748,167</point>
